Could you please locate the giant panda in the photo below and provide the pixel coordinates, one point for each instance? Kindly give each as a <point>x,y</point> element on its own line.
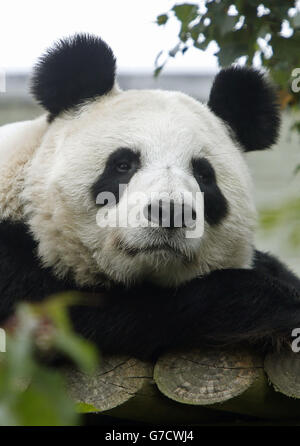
<point>148,290</point>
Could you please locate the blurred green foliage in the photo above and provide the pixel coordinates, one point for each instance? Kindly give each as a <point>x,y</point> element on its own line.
<point>267,32</point>
<point>32,393</point>
<point>286,216</point>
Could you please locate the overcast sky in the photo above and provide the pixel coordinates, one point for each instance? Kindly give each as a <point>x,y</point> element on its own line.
<point>27,27</point>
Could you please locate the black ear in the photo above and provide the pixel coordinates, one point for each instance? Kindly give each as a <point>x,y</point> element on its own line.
<point>245,100</point>
<point>76,69</point>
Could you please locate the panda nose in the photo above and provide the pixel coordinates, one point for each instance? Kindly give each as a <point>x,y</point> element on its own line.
<point>170,214</point>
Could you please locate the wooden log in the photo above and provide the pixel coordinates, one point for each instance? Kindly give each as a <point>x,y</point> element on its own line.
<point>117,380</point>
<point>125,388</point>
<point>206,376</point>
<point>245,393</point>
<point>262,401</point>
<point>283,370</point>
<point>199,387</point>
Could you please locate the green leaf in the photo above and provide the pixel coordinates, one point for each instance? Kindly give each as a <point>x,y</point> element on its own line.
<point>162,19</point>
<point>196,30</point>
<point>263,30</point>
<point>230,52</point>
<point>85,408</point>
<point>186,12</point>
<point>158,70</point>
<point>279,11</point>
<point>228,24</point>
<point>45,402</point>
<point>201,45</point>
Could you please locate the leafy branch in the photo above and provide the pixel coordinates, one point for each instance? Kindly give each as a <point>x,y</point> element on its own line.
<point>266,34</point>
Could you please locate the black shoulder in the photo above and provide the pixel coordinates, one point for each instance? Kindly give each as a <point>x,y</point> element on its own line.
<point>22,277</point>
<point>269,264</point>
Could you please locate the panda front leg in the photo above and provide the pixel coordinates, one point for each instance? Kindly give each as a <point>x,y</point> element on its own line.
<point>270,265</point>
<point>226,307</point>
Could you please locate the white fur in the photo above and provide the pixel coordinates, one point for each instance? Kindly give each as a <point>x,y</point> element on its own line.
<point>168,128</point>
<point>18,142</point>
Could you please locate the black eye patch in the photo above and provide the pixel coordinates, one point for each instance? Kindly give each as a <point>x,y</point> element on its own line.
<point>215,204</point>
<point>119,169</point>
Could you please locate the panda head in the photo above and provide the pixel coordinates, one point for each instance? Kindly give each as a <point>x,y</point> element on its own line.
<point>149,142</point>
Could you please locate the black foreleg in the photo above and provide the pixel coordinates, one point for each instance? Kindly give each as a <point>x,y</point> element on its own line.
<point>227,306</point>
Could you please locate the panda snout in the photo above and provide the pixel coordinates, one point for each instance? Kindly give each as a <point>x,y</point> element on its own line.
<point>170,214</point>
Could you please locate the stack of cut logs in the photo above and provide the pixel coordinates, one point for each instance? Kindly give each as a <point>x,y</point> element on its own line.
<point>197,387</point>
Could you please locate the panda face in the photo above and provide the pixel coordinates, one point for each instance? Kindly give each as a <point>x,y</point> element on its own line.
<point>104,146</point>
<point>151,142</point>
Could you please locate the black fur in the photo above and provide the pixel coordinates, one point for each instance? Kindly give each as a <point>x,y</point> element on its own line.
<point>215,204</point>
<point>226,307</point>
<point>261,305</point>
<point>21,275</point>
<point>248,103</point>
<point>112,177</point>
<point>75,70</point>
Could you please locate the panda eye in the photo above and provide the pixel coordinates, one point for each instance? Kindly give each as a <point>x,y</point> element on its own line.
<point>123,167</point>
<point>202,178</point>
<point>203,171</point>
